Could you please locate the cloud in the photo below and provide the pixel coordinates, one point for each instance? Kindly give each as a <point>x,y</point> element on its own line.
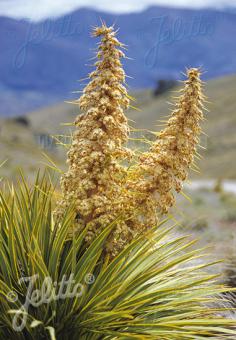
<point>41,9</point>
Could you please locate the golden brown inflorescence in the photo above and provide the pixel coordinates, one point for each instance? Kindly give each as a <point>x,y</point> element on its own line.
<point>161,171</point>
<point>97,183</point>
<point>95,179</point>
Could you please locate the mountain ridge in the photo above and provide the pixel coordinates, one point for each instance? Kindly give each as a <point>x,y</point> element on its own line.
<point>43,60</point>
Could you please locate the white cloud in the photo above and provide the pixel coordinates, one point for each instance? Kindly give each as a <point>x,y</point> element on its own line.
<point>41,9</point>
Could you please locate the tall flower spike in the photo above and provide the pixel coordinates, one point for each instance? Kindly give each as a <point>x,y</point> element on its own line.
<point>94,180</point>
<point>101,188</point>
<point>162,170</point>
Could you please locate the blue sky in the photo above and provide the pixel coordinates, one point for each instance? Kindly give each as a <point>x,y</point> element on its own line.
<point>41,9</point>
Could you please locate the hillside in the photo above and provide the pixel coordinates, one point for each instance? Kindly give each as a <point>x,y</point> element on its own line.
<point>23,144</point>
<point>41,62</point>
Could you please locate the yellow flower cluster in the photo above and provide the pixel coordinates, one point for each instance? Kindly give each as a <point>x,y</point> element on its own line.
<point>95,179</point>
<point>97,183</point>
<point>165,166</point>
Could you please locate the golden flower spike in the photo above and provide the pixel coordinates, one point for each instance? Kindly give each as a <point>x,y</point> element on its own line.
<point>94,180</point>
<point>164,167</point>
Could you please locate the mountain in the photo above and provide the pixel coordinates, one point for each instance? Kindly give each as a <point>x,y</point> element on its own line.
<point>41,62</point>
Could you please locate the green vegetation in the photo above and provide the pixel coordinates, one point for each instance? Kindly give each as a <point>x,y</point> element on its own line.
<point>156,288</point>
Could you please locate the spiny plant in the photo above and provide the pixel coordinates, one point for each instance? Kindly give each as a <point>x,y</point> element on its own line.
<point>156,288</point>
<point>98,182</point>
<point>153,286</point>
